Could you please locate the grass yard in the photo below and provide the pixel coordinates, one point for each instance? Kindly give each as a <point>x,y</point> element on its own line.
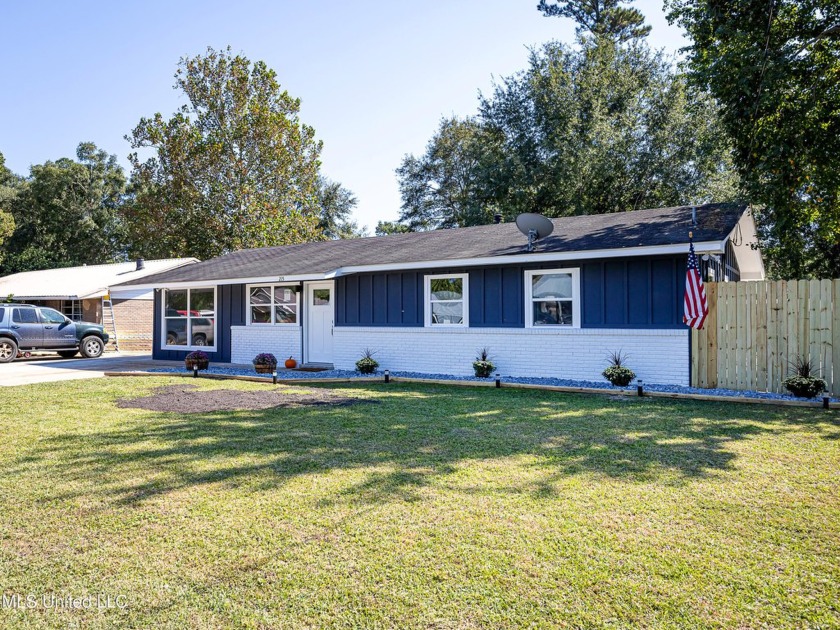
<point>435,507</point>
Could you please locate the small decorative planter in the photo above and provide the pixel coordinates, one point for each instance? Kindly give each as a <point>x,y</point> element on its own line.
<point>367,364</point>
<point>482,365</point>
<point>618,373</point>
<point>265,363</point>
<point>197,360</point>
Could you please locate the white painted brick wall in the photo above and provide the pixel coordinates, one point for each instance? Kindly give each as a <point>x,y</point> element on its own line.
<point>657,356</point>
<point>248,341</point>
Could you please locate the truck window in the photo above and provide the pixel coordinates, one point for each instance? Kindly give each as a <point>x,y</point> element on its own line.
<point>24,316</point>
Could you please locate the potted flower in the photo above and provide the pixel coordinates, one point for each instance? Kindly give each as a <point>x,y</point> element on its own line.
<point>197,360</point>
<point>802,384</point>
<point>482,365</point>
<point>367,364</point>
<point>265,363</point>
<point>617,373</point>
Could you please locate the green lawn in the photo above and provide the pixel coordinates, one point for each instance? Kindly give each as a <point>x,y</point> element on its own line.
<point>437,507</point>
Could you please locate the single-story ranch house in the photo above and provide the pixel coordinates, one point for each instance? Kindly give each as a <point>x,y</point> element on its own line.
<point>81,293</point>
<point>426,302</point>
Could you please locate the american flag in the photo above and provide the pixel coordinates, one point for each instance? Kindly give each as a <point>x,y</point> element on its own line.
<point>696,307</point>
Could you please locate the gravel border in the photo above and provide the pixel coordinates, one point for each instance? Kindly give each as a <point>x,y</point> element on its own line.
<point>286,375</point>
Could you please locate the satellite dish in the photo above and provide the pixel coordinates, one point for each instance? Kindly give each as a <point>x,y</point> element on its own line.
<point>534,226</point>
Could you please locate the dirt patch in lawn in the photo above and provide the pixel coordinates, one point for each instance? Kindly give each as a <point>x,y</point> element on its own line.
<point>189,399</point>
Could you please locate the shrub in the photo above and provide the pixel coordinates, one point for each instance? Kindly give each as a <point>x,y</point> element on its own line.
<point>803,384</point>
<point>367,364</point>
<point>265,358</point>
<point>197,360</point>
<point>482,365</point>
<point>617,373</point>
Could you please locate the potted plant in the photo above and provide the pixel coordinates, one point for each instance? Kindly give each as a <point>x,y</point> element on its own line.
<point>482,365</point>
<point>617,373</point>
<point>367,364</point>
<point>803,384</point>
<point>265,363</point>
<point>197,360</point>
<point>290,363</point>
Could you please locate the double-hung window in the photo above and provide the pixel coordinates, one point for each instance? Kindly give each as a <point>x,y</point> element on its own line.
<point>189,318</point>
<point>447,301</point>
<point>552,298</point>
<point>272,304</point>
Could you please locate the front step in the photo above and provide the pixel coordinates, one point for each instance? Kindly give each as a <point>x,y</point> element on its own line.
<point>317,367</point>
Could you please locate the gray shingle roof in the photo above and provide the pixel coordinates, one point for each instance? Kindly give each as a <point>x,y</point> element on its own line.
<point>640,228</point>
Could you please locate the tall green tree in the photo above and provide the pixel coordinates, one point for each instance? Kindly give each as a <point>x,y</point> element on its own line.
<point>10,186</point>
<point>605,127</point>
<point>452,183</point>
<point>336,205</point>
<point>67,213</point>
<point>383,228</point>
<point>773,67</point>
<point>600,17</point>
<point>233,168</point>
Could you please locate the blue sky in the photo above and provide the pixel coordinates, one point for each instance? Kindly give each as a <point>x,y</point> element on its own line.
<point>374,77</point>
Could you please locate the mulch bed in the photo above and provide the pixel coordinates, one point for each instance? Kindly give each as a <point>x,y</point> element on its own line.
<point>188,399</point>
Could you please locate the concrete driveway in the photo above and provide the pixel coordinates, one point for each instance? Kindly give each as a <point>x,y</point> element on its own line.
<point>47,368</point>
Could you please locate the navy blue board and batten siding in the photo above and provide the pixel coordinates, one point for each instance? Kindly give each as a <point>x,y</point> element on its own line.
<point>230,311</point>
<point>615,293</point>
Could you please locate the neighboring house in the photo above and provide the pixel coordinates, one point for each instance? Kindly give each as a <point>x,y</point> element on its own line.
<point>78,292</point>
<point>427,301</point>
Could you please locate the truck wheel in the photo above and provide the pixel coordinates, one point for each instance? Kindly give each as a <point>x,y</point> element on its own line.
<point>8,350</point>
<point>68,354</point>
<point>92,347</point>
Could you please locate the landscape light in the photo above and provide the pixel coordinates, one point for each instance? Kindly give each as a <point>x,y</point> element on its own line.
<point>498,380</point>
<point>387,376</point>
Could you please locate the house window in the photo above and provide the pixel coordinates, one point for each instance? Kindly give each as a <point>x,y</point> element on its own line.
<point>189,318</point>
<point>272,304</point>
<point>72,309</point>
<point>551,298</point>
<point>447,302</point>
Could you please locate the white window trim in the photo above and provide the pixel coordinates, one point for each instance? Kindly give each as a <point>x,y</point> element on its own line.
<point>427,298</point>
<point>271,324</point>
<point>163,318</point>
<point>529,297</point>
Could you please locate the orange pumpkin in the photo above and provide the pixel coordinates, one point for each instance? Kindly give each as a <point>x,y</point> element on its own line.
<point>290,363</point>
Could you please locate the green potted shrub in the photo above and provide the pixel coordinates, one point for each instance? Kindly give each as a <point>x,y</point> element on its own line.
<point>265,363</point>
<point>197,360</point>
<point>617,373</point>
<point>803,384</point>
<point>367,364</point>
<point>482,365</point>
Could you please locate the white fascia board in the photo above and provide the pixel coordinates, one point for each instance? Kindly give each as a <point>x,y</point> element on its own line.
<point>307,277</point>
<point>197,283</point>
<point>22,299</point>
<point>715,247</point>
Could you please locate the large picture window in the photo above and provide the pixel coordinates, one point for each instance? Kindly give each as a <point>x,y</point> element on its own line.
<point>189,318</point>
<point>551,298</point>
<point>447,302</point>
<point>273,304</point>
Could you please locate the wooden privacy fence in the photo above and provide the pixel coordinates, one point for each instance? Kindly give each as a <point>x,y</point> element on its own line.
<point>755,330</point>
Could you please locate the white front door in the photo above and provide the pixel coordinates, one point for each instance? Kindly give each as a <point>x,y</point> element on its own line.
<point>320,298</point>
